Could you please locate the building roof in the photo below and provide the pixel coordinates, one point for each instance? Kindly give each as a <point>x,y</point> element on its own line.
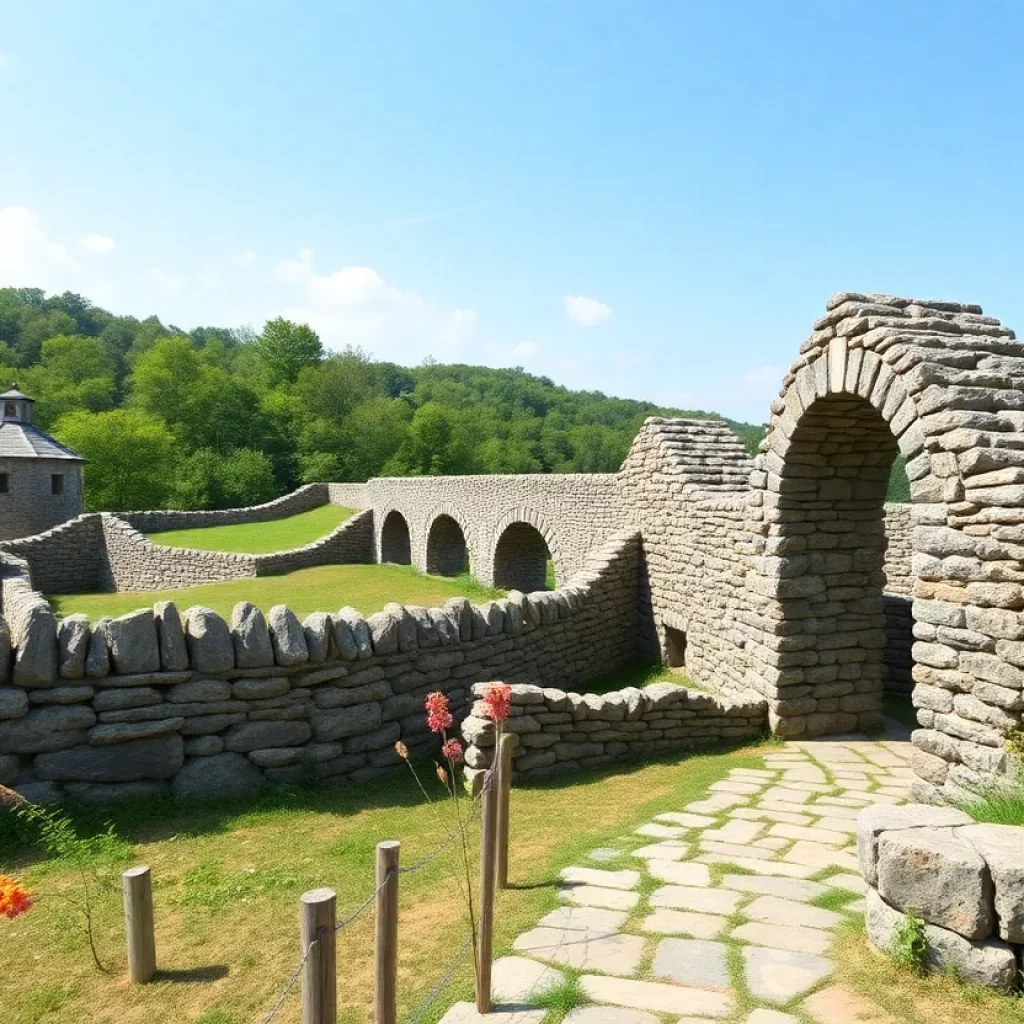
<point>25,441</point>
<point>16,395</point>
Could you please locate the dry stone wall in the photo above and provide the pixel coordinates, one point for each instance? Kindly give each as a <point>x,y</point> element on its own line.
<point>159,700</point>
<point>559,732</point>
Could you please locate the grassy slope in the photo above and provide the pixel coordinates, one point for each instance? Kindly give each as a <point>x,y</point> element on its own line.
<point>227,882</point>
<point>322,588</point>
<point>259,538</point>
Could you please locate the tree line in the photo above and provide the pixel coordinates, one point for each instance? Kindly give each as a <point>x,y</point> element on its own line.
<point>215,417</point>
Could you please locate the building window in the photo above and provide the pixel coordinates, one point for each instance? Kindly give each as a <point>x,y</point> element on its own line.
<point>5,483</point>
<point>675,647</point>
<point>10,410</point>
<point>57,483</point>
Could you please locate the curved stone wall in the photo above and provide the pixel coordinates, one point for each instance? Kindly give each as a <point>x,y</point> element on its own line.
<point>158,700</point>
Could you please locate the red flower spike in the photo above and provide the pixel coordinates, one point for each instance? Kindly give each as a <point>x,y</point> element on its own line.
<point>439,717</point>
<point>498,701</point>
<point>452,750</point>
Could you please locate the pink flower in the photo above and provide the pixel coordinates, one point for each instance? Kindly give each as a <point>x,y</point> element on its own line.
<point>452,750</point>
<point>498,701</point>
<point>439,717</point>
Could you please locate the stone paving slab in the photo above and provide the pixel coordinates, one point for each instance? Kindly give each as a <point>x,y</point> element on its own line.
<point>786,794</point>
<point>670,849</point>
<point>799,890</point>
<point>837,1005</point>
<point>657,997</point>
<point>791,937</point>
<point>816,855</point>
<point>761,867</point>
<point>782,805</point>
<point>726,851</point>
<point>736,786</point>
<point>595,896</point>
<point>762,1016</point>
<point>812,833</point>
<point>850,882</point>
<point>773,910</point>
<point>687,873</point>
<point>605,879</point>
<point>735,831</point>
<point>771,843</point>
<point>686,818</point>
<point>752,773</point>
<point>465,1013</point>
<point>585,919</point>
<point>704,901</point>
<point>604,854</point>
<point>715,804</point>
<point>766,814</point>
<point>779,975</point>
<point>671,922</point>
<point>514,979</point>
<point>612,954</point>
<point>608,1015</point>
<point>658,831</point>
<point>697,962</point>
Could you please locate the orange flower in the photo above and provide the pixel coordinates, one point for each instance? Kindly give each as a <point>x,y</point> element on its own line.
<point>498,699</point>
<point>14,899</point>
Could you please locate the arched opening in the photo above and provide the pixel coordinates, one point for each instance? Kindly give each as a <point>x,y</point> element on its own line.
<point>395,547</point>
<point>446,548</point>
<point>522,559</point>
<point>828,531</point>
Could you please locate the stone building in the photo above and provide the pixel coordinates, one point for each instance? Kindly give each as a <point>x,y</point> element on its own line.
<point>40,479</point>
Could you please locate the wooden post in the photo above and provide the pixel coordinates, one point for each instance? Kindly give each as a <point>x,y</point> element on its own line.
<point>320,975</point>
<point>488,842</point>
<point>385,991</point>
<point>508,741</point>
<point>138,924</point>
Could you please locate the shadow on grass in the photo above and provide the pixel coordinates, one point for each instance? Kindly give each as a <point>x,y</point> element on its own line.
<point>158,819</point>
<point>192,975</point>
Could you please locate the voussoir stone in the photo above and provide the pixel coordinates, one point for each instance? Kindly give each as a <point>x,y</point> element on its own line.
<point>286,636</point>
<point>216,777</point>
<point>251,637</point>
<point>132,643</point>
<point>933,874</point>
<point>210,648</point>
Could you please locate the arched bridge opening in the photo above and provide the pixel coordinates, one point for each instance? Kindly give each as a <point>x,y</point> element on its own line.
<point>395,545</point>
<point>447,554</point>
<point>522,559</point>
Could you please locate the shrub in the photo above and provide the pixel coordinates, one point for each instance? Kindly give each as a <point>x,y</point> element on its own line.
<point>910,945</point>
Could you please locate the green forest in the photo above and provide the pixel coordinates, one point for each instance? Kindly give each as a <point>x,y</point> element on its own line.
<point>217,417</point>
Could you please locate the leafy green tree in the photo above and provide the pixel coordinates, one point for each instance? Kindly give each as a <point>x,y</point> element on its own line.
<point>74,373</point>
<point>210,479</point>
<point>284,349</point>
<point>131,457</point>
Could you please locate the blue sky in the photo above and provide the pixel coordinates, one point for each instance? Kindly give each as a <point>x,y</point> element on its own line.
<point>650,199</point>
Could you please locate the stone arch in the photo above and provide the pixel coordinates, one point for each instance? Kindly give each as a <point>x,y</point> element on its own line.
<point>522,543</point>
<point>447,552</point>
<point>940,383</point>
<point>395,543</point>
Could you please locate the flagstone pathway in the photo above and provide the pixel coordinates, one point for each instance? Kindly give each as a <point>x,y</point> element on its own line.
<point>722,910</point>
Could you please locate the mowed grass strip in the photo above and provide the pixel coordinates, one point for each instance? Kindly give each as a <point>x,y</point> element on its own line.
<point>227,882</point>
<point>259,538</point>
<point>323,588</point>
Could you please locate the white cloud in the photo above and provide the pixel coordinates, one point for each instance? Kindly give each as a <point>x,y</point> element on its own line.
<point>168,282</point>
<point>524,350</point>
<point>246,258</point>
<point>356,306</point>
<point>586,312</point>
<point>98,243</point>
<point>28,257</point>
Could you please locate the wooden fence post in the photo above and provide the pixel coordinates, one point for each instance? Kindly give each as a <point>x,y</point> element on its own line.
<point>386,945</point>
<point>320,975</point>
<point>504,761</point>
<point>138,924</point>
<point>488,842</point>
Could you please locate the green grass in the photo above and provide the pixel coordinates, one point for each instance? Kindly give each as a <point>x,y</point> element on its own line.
<point>259,538</point>
<point>638,673</point>
<point>322,588</point>
<point>227,879</point>
<point>1003,806</point>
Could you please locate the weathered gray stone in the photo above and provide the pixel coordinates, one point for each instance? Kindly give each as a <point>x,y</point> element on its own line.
<point>97,658</point>
<point>210,648</point>
<point>384,629</point>
<point>35,647</point>
<point>257,735</point>
<point>10,765</point>
<point>358,631</point>
<point>101,793</point>
<point>777,975</point>
<point>170,634</point>
<point>132,643</point>
<point>221,776</point>
<point>931,873</point>
<point>5,651</point>
<point>156,758</point>
<point>286,636</point>
<point>108,734</point>
<point>250,637</point>
<point>260,687</point>
<point>350,721</point>
<point>13,702</point>
<point>203,746</point>
<point>73,646</point>
<point>317,629</point>
<point>1002,849</point>
<point>46,728</point>
<point>697,962</point>
<point>130,697</point>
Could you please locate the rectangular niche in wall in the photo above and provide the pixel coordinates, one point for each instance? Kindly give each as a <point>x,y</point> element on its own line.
<point>675,647</point>
<point>57,483</point>
<point>5,483</point>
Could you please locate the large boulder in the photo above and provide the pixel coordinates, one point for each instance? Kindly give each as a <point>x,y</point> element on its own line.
<point>35,647</point>
<point>170,637</point>
<point>216,777</point>
<point>259,735</point>
<point>132,643</point>
<point>136,760</point>
<point>210,648</point>
<point>990,963</point>
<point>250,636</point>
<point>1002,849</point>
<point>879,818</point>
<point>932,873</point>
<point>286,636</point>
<point>73,645</point>
<point>45,729</point>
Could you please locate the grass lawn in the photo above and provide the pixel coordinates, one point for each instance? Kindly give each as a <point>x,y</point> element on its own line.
<point>640,673</point>
<point>259,538</point>
<point>320,589</point>
<point>227,882</point>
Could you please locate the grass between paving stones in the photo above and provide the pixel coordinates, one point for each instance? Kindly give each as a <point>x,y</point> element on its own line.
<point>912,998</point>
<point>322,588</point>
<point>227,880</point>
<point>834,899</point>
<point>259,538</point>
<point>561,999</point>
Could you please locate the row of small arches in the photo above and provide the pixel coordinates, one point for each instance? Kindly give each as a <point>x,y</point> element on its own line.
<point>522,559</point>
